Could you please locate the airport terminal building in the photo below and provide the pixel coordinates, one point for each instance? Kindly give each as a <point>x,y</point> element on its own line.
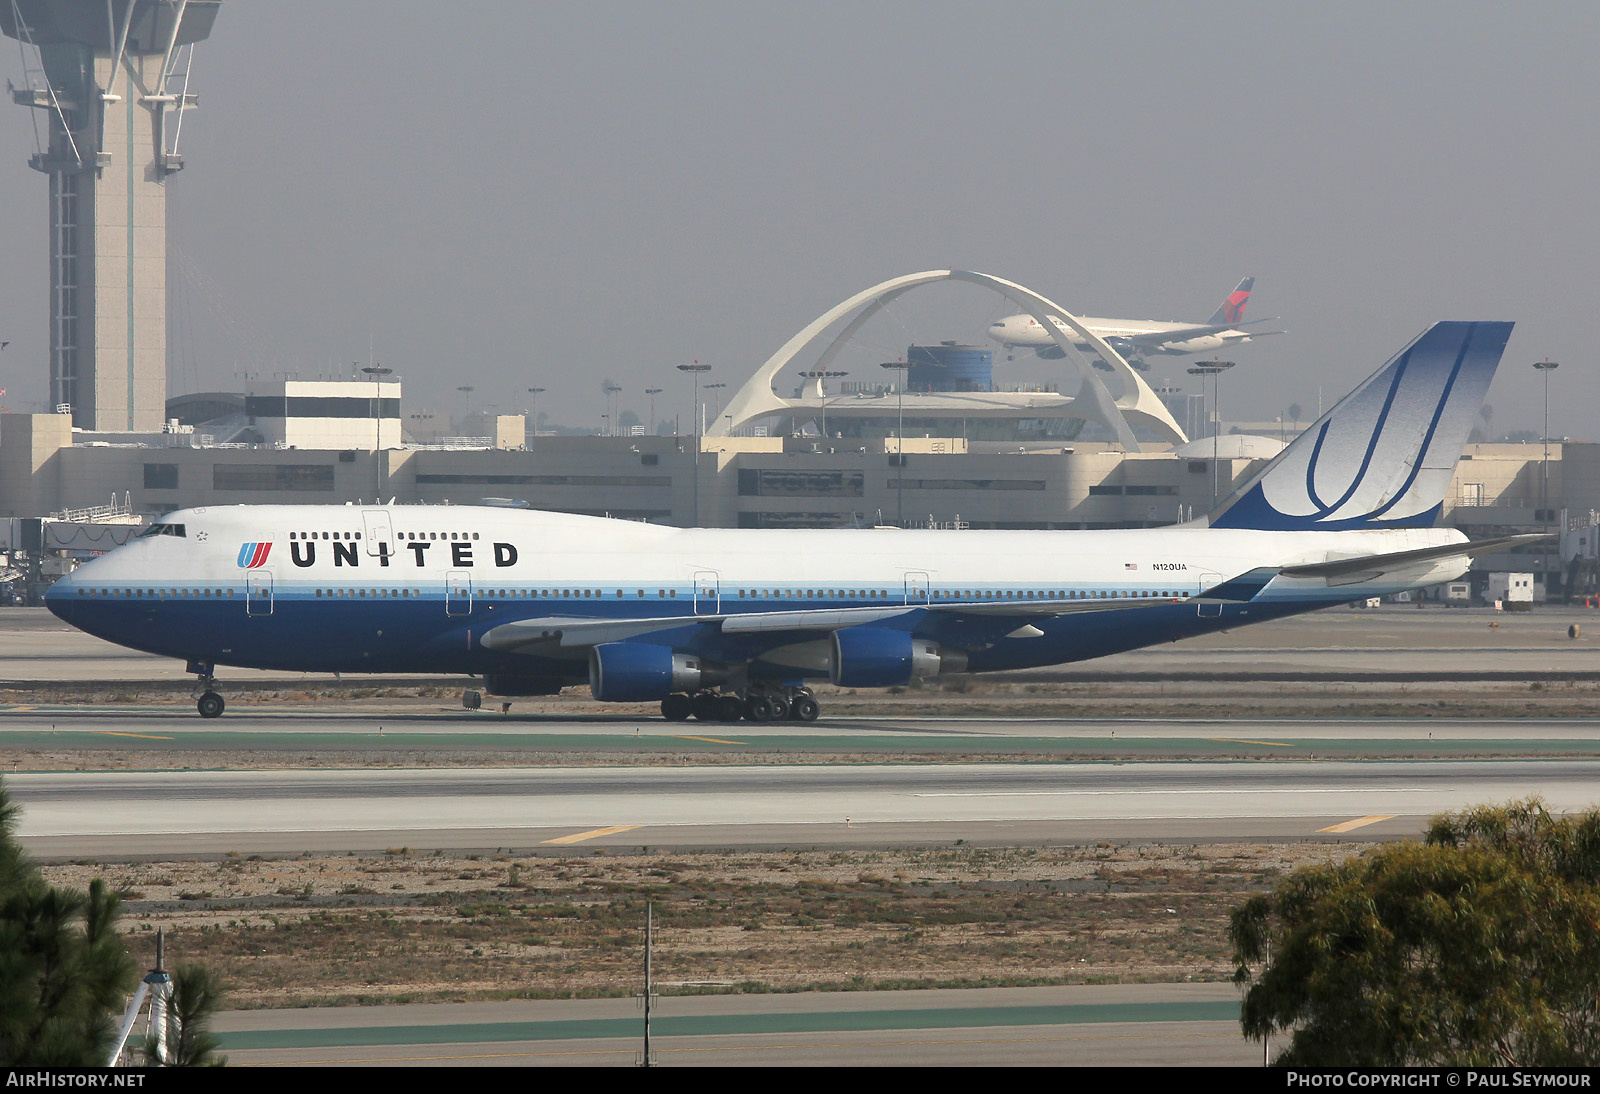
<point>937,444</point>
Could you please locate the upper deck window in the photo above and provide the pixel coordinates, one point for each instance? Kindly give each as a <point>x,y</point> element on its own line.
<point>164,530</point>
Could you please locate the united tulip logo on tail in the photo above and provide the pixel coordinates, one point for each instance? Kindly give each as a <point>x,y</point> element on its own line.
<point>252,555</point>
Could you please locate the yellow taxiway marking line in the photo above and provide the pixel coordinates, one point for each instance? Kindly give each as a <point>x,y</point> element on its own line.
<point>1241,741</point>
<point>579,837</point>
<point>1359,822</point>
<point>145,736</point>
<point>713,740</point>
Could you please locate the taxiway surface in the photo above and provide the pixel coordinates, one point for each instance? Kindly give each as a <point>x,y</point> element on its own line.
<point>1121,1024</point>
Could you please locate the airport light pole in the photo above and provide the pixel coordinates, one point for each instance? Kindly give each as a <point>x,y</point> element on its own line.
<point>697,368</point>
<point>535,392</point>
<point>718,398</point>
<point>466,389</point>
<point>819,375</point>
<point>1546,367</point>
<point>377,372</point>
<point>1213,369</point>
<point>652,392</point>
<point>613,403</point>
<point>903,368</point>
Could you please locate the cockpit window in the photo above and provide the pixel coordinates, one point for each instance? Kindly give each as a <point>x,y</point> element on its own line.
<point>164,530</point>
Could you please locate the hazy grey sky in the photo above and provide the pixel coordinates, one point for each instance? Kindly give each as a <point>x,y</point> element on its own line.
<point>515,194</point>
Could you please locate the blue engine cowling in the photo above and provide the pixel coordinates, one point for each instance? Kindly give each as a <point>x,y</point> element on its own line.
<point>876,657</point>
<point>637,672</point>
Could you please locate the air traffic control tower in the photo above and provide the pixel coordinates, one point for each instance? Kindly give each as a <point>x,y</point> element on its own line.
<point>108,80</point>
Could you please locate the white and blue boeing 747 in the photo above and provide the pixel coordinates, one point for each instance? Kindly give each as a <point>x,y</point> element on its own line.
<point>725,624</point>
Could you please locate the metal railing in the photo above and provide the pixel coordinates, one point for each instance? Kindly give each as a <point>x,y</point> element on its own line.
<point>97,514</point>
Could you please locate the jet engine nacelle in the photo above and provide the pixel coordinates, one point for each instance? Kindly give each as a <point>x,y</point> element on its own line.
<point>875,657</point>
<point>637,672</point>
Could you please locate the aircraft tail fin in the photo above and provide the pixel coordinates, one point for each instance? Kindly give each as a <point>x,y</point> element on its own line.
<point>1384,456</point>
<point>1232,309</point>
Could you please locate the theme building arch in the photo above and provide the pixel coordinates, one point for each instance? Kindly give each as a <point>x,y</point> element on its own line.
<point>757,399</point>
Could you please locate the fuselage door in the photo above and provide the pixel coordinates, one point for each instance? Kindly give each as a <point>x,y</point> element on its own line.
<point>917,586</point>
<point>458,593</point>
<point>707,592</point>
<point>258,593</point>
<point>380,540</point>
<point>1211,609</point>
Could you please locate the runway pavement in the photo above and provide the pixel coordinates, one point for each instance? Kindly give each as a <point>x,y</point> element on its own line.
<point>41,726</point>
<point>148,814</point>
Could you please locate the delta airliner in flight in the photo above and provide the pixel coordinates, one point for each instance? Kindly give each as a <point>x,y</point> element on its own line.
<point>1136,339</point>
<point>728,624</point>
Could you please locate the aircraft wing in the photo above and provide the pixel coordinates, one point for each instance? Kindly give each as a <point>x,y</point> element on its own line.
<point>575,633</point>
<point>1183,334</point>
<point>549,636</point>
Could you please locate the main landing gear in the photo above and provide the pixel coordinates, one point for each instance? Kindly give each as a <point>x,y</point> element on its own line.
<point>756,705</point>
<point>210,703</point>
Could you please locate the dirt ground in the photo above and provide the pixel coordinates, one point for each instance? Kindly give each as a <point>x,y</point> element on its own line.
<point>405,926</point>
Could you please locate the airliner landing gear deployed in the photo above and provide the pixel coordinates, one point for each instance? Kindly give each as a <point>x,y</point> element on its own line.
<point>210,703</point>
<point>794,704</point>
<point>725,624</point>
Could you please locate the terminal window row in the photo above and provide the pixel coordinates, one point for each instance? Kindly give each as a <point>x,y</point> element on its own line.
<point>1133,491</point>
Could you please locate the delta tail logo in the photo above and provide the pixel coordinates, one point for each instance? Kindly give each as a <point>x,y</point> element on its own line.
<point>1233,307</point>
<point>252,555</point>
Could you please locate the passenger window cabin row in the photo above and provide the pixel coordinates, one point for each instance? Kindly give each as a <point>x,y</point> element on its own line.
<point>405,536</point>
<point>954,595</point>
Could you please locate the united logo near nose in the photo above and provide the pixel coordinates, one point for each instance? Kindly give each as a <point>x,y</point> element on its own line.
<point>252,555</point>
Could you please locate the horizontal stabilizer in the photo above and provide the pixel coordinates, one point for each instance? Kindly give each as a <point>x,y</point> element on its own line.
<point>1352,571</point>
<point>1382,564</point>
<point>1243,587</point>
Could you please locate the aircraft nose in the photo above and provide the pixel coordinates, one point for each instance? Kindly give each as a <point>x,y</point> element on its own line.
<point>60,597</point>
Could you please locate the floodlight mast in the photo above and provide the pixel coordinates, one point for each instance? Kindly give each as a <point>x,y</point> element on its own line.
<point>1213,369</point>
<point>904,369</point>
<point>534,433</point>
<point>696,368</point>
<point>1545,367</point>
<point>378,372</point>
